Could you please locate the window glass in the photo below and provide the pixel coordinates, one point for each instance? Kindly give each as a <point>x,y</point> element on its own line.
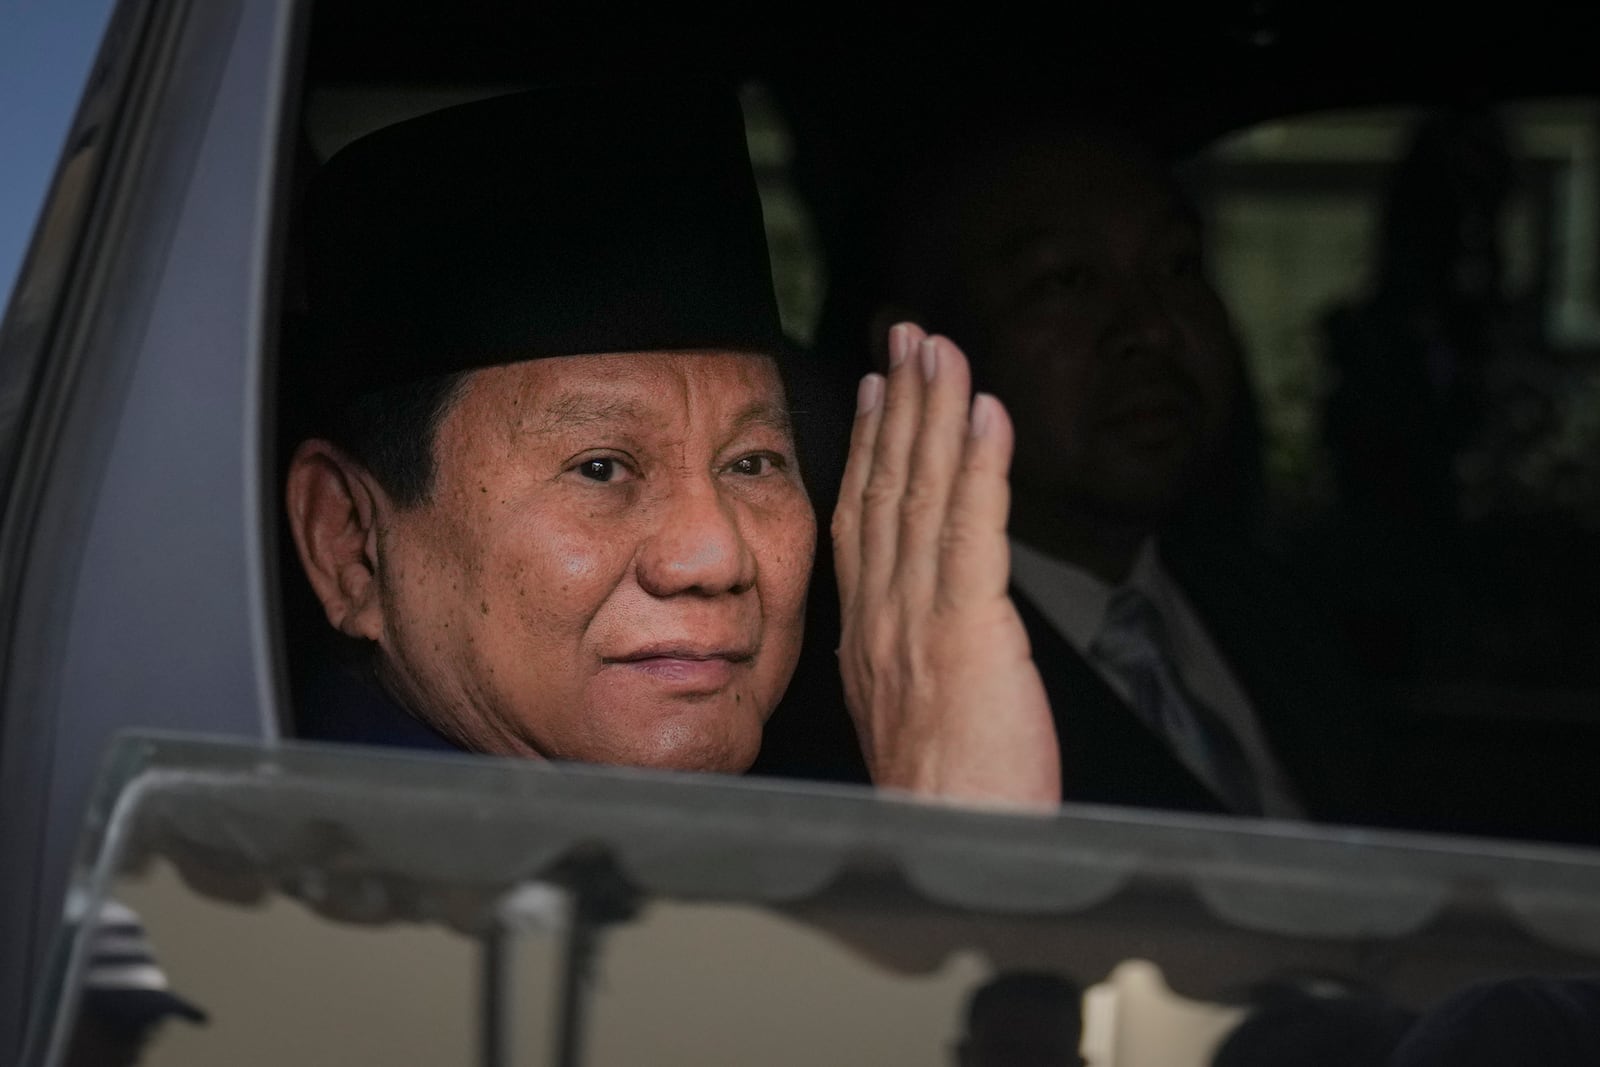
<point>1431,472</point>
<point>1296,212</point>
<point>45,53</point>
<point>1416,293</point>
<point>466,911</point>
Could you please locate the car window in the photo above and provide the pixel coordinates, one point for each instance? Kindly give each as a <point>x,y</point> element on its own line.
<point>1429,447</point>
<point>1296,210</point>
<point>139,422</point>
<point>1477,657</point>
<point>46,58</point>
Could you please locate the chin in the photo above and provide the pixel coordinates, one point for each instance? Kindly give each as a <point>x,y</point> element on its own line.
<point>1153,509</point>
<point>1149,491</point>
<point>694,741</point>
<point>698,763</point>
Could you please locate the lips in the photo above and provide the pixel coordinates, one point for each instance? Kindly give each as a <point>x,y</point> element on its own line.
<point>1157,400</point>
<point>686,668</point>
<point>1152,414</point>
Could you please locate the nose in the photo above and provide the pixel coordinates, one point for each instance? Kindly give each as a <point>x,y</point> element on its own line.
<point>697,546</point>
<point>1141,320</point>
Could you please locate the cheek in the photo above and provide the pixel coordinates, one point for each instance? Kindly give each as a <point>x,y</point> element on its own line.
<point>429,561</point>
<point>1051,353</point>
<point>786,554</point>
<point>784,543</point>
<point>1215,364</point>
<point>556,566</point>
<point>1049,387</point>
<point>429,569</point>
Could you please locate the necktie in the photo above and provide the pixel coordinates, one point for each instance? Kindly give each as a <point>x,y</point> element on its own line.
<point>1133,643</point>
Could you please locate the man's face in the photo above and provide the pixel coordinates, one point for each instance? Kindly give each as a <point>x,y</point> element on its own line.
<point>612,565</point>
<point>1090,318</point>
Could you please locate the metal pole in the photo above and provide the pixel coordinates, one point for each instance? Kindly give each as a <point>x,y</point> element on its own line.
<point>582,939</point>
<point>494,982</point>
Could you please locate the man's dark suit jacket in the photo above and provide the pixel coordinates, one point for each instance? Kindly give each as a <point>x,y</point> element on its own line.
<point>1311,712</point>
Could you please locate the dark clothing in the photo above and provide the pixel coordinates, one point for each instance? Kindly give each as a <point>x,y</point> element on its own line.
<point>1316,1031</point>
<point>1315,719</point>
<point>343,704</point>
<point>1551,1022</point>
<point>810,734</point>
<point>1309,709</point>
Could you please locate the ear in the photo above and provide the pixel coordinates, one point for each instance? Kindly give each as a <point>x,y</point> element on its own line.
<point>333,506</point>
<point>886,316</point>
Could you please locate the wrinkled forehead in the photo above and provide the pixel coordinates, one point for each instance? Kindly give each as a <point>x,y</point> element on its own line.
<point>710,390</point>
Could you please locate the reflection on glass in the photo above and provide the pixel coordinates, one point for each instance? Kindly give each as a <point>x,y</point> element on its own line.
<point>1022,1019</point>
<point>1329,1027</point>
<point>336,907</point>
<point>280,984</point>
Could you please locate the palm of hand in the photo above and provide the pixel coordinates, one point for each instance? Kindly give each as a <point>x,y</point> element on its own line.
<point>937,669</point>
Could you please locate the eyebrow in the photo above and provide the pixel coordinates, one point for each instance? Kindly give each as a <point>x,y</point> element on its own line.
<point>771,416</point>
<point>578,409</point>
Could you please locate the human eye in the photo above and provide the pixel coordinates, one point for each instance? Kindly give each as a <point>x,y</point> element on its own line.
<point>758,464</point>
<point>602,469</point>
<point>1059,280</point>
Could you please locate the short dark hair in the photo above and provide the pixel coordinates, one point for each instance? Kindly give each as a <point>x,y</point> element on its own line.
<point>916,238</point>
<point>391,432</point>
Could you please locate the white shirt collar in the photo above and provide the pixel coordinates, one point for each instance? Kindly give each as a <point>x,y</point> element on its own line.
<point>1075,599</point>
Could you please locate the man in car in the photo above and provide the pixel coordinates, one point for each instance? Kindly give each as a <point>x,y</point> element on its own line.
<point>1178,674</point>
<point>598,557</point>
<point>550,492</point>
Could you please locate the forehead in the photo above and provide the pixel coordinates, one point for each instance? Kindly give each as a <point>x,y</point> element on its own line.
<point>1084,183</point>
<point>643,388</point>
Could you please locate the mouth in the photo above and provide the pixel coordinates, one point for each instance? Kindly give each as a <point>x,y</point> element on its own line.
<point>1153,415</point>
<point>683,668</point>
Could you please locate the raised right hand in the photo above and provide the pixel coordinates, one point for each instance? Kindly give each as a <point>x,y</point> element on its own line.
<point>938,673</point>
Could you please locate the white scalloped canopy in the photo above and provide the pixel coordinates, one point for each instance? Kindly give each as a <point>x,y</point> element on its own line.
<point>368,836</point>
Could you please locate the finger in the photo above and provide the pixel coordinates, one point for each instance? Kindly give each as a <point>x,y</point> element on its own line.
<point>847,516</point>
<point>846,528</point>
<point>891,459</point>
<point>935,460</point>
<point>974,557</point>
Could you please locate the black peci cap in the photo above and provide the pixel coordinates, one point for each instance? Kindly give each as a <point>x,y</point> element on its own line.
<point>560,221</point>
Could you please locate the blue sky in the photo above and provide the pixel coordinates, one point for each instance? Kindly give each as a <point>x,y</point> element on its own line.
<point>46,48</point>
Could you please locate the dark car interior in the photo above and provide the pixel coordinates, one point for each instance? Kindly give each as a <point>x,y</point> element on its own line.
<point>1441,504</point>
